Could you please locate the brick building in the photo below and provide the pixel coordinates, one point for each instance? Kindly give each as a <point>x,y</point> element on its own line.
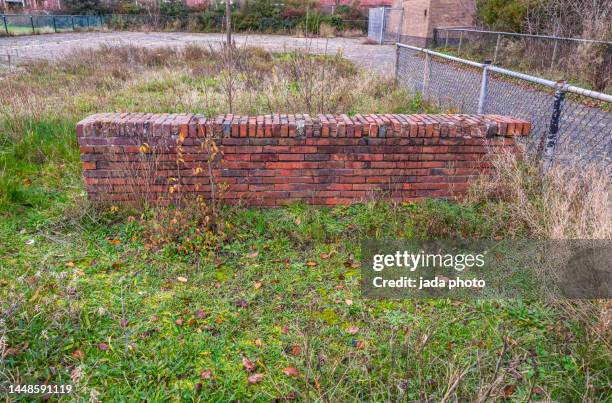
<point>420,17</point>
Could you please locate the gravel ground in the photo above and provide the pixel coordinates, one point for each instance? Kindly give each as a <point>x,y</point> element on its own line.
<point>20,49</point>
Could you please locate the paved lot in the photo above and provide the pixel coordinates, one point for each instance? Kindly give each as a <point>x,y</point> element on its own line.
<point>53,46</point>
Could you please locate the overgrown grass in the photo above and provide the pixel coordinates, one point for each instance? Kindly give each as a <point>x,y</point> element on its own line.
<point>86,298</point>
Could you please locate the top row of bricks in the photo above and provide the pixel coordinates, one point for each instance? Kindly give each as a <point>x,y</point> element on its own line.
<point>301,125</point>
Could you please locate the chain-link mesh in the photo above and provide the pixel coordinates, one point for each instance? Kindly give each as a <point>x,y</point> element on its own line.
<point>576,59</point>
<point>585,124</point>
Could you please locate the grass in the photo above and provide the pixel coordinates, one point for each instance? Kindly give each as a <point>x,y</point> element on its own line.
<point>89,297</point>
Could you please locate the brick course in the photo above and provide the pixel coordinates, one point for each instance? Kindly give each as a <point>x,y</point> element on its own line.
<point>272,160</point>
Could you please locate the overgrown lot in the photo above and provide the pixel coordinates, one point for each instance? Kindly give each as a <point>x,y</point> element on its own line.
<point>144,304</point>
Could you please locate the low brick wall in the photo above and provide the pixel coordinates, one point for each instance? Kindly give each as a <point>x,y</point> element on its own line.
<point>277,159</point>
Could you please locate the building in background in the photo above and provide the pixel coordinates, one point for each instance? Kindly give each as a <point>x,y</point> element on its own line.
<point>416,19</point>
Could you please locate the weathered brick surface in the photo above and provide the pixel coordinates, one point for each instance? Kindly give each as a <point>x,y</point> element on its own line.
<point>273,160</point>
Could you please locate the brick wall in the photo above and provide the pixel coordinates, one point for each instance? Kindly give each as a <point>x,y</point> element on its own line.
<point>273,160</point>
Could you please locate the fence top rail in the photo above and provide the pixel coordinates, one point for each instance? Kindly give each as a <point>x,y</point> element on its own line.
<point>442,55</point>
<point>560,38</point>
<point>537,80</point>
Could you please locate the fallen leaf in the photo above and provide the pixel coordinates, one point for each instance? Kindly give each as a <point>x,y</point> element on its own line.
<point>296,350</point>
<point>248,365</point>
<point>77,355</point>
<point>200,314</point>
<point>311,264</point>
<point>115,241</point>
<point>206,374</point>
<point>348,302</point>
<point>198,387</point>
<point>253,255</point>
<point>508,390</point>
<point>182,279</point>
<point>242,303</point>
<point>103,346</point>
<point>179,322</point>
<point>291,371</point>
<point>285,329</point>
<point>352,330</point>
<point>258,342</point>
<point>70,264</point>
<point>317,384</point>
<point>154,318</point>
<point>324,256</point>
<point>124,322</point>
<point>30,242</point>
<point>499,238</point>
<point>257,285</point>
<point>255,378</point>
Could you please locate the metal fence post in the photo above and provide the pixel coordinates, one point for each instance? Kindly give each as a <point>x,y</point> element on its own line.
<point>32,23</point>
<point>382,26</point>
<point>72,21</point>
<point>397,56</point>
<point>54,25</point>
<point>426,75</point>
<point>5,24</point>
<point>496,48</point>
<point>551,138</point>
<point>484,88</point>
<point>435,37</point>
<point>400,26</point>
<point>460,42</point>
<point>446,42</point>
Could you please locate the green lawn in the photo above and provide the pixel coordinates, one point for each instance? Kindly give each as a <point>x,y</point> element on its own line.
<point>148,305</point>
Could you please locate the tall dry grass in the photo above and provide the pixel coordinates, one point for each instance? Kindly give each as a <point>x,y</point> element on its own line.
<point>569,202</point>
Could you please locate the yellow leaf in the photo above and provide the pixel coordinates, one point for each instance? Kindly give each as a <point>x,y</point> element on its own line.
<point>182,279</point>
<point>144,148</point>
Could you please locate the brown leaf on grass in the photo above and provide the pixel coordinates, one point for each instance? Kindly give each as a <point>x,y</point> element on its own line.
<point>508,390</point>
<point>200,314</point>
<point>179,322</point>
<point>248,365</point>
<point>115,241</point>
<point>258,342</point>
<point>352,330</point>
<point>124,322</point>
<point>191,322</point>
<point>154,318</point>
<point>253,255</point>
<point>257,285</point>
<point>291,371</point>
<point>103,346</point>
<point>311,264</point>
<point>77,354</point>
<point>206,374</point>
<point>349,302</point>
<point>295,350</point>
<point>255,378</point>
<point>217,285</point>
<point>324,256</point>
<point>317,384</point>
<point>285,329</point>
<point>182,279</point>
<point>70,264</point>
<point>242,303</point>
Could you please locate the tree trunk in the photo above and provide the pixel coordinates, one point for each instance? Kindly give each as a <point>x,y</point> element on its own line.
<point>228,21</point>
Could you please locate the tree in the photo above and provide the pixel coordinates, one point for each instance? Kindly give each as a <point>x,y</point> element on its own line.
<point>84,6</point>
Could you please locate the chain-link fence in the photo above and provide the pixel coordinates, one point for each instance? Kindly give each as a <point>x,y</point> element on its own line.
<point>385,24</point>
<point>24,24</point>
<point>582,60</point>
<point>570,124</point>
